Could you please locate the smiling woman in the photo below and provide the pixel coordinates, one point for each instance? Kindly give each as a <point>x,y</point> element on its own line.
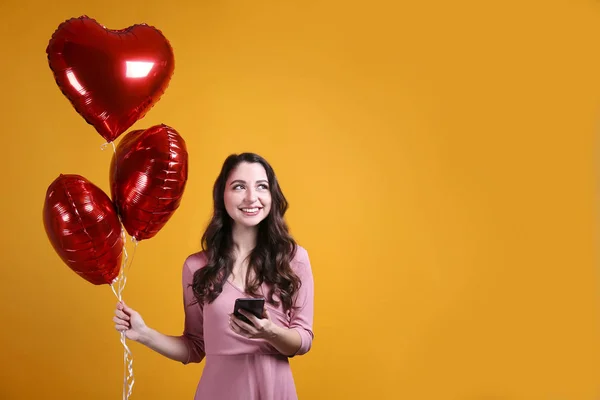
<point>248,198</point>
<point>247,253</point>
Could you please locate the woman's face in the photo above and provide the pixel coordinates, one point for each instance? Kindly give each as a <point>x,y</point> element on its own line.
<point>247,196</point>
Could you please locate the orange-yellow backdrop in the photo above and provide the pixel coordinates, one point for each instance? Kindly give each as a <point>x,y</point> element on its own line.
<point>439,161</point>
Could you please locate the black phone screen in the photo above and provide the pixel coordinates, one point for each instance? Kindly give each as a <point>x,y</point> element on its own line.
<point>251,305</point>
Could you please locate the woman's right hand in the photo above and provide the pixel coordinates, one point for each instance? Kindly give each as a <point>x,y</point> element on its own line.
<point>129,321</point>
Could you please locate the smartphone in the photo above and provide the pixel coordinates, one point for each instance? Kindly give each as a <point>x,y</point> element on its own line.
<point>251,305</point>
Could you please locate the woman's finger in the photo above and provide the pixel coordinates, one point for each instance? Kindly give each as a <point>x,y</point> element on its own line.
<point>242,325</point>
<point>120,321</point>
<point>121,314</point>
<point>258,323</point>
<point>234,327</point>
<point>251,317</point>
<point>266,314</point>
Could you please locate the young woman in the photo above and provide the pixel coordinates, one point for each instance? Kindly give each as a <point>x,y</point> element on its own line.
<point>247,252</point>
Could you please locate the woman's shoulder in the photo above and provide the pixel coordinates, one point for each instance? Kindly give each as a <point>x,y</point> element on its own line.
<point>301,253</point>
<point>195,261</point>
<point>301,259</point>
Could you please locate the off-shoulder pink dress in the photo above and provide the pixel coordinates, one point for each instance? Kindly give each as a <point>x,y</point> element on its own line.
<point>238,368</point>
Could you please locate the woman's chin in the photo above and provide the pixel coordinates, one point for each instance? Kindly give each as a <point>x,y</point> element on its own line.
<point>249,222</point>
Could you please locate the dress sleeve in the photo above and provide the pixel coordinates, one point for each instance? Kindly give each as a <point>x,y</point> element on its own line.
<point>193,333</point>
<point>302,314</point>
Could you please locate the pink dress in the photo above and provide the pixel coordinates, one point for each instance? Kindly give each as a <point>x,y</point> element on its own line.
<point>238,368</point>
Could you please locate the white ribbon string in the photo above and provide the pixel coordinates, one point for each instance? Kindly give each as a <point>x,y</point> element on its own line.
<point>105,145</point>
<point>117,287</point>
<point>120,282</point>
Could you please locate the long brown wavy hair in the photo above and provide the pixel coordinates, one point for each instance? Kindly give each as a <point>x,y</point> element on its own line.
<point>270,259</point>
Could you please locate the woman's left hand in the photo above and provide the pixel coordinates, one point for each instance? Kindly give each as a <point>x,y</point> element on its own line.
<point>261,328</point>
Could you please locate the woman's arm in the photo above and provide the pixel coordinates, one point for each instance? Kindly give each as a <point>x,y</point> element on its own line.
<point>187,348</point>
<point>302,314</point>
<point>287,341</point>
<point>173,347</point>
<point>292,341</point>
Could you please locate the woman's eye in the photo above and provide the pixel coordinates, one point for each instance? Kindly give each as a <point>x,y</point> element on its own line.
<point>236,187</point>
<point>263,186</point>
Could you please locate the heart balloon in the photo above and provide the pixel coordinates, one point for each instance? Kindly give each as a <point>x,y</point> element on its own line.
<point>84,229</point>
<point>111,77</point>
<point>148,175</point>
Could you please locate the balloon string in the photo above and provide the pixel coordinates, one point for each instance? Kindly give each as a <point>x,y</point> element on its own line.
<point>120,282</point>
<point>105,145</point>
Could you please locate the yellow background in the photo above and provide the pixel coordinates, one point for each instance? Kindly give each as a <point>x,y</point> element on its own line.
<point>439,158</point>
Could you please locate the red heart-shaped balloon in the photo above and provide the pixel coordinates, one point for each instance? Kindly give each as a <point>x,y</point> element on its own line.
<point>111,77</point>
<point>148,175</point>
<point>83,227</point>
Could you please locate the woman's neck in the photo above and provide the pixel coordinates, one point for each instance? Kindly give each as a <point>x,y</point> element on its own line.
<point>244,240</point>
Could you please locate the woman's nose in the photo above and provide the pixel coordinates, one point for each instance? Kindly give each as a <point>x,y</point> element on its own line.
<point>250,195</point>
